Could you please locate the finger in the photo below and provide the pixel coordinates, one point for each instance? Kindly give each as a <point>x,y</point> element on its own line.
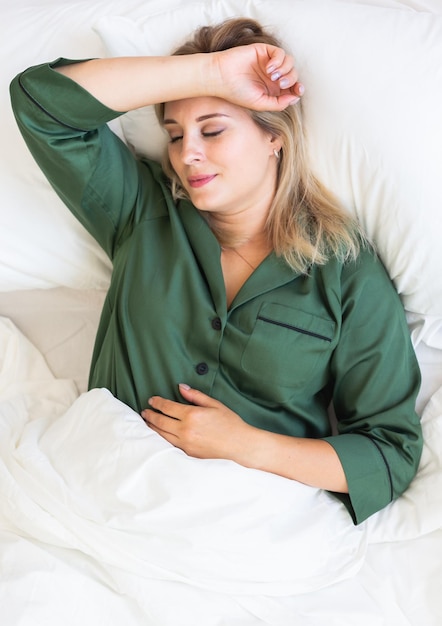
<point>286,97</point>
<point>162,424</point>
<point>282,70</point>
<point>285,73</point>
<point>281,64</point>
<point>167,407</point>
<point>284,101</point>
<point>276,59</point>
<point>290,83</point>
<point>298,89</point>
<point>276,102</point>
<point>197,397</point>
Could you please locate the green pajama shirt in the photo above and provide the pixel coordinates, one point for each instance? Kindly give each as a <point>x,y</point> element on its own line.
<point>288,345</point>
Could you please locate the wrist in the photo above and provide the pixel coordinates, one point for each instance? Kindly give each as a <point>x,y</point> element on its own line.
<point>255,448</point>
<point>211,79</point>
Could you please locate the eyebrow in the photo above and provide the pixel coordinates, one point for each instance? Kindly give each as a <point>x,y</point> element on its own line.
<point>201,118</point>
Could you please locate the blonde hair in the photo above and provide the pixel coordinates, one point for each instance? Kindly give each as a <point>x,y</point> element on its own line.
<point>306,224</point>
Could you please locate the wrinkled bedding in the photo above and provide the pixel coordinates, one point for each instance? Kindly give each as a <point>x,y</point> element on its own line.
<point>103,521</point>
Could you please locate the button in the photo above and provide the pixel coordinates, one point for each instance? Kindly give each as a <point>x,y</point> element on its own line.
<point>202,368</point>
<point>216,323</point>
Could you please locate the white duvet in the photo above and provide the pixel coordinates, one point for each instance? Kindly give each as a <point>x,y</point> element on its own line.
<point>103,522</point>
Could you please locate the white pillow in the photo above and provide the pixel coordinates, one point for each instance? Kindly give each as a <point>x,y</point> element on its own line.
<point>41,244</point>
<point>380,154</point>
<point>373,110</point>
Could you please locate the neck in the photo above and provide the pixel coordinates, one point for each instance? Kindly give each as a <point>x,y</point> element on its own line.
<point>237,231</point>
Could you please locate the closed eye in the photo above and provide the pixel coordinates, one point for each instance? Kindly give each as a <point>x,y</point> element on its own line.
<point>213,133</point>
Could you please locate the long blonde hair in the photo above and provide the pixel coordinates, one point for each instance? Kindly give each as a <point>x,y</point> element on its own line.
<point>306,224</point>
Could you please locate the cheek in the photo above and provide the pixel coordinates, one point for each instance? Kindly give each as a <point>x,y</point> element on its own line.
<point>174,161</point>
<point>253,162</point>
<point>171,155</point>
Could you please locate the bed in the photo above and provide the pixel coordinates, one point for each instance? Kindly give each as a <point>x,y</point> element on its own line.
<point>101,521</point>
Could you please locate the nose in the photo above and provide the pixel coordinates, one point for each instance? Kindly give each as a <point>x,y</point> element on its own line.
<point>192,150</point>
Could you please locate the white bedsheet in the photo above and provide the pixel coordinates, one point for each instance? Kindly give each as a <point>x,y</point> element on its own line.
<point>103,522</point>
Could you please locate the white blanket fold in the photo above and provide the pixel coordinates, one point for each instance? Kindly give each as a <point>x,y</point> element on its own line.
<point>86,477</point>
<point>98,480</point>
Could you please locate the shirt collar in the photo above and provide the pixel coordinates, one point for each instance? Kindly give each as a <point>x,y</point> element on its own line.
<point>272,273</point>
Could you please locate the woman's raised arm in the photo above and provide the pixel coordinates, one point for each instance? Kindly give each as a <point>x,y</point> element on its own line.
<point>256,76</point>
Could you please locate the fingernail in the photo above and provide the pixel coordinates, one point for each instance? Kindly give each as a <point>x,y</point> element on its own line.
<point>284,83</point>
<point>184,386</point>
<point>275,76</point>
<point>270,69</point>
<point>294,101</point>
<point>301,89</point>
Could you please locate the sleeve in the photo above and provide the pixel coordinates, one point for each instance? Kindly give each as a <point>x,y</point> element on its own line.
<point>89,167</point>
<point>377,379</point>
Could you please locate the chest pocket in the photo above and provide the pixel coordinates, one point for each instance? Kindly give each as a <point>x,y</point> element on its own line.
<point>287,345</point>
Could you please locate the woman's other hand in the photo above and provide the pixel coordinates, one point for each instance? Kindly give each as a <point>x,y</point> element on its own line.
<point>206,428</point>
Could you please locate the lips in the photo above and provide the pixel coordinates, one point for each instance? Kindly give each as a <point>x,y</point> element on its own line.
<point>201,180</point>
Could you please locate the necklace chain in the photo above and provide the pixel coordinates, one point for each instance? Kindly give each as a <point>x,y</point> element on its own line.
<point>240,256</point>
<point>244,259</point>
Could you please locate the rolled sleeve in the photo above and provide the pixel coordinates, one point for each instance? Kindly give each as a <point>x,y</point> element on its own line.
<point>367,474</point>
<point>377,380</point>
<point>89,167</point>
<point>60,97</point>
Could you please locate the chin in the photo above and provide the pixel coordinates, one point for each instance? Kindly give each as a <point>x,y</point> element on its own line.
<point>201,205</point>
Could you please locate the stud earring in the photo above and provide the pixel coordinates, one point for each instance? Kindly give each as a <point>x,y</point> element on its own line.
<point>276,153</point>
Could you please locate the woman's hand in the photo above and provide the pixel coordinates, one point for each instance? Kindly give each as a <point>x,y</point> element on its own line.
<point>258,76</point>
<point>205,428</point>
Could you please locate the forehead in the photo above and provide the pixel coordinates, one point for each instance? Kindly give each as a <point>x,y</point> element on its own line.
<point>192,109</point>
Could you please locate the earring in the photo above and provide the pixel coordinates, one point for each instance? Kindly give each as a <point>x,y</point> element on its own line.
<point>276,153</point>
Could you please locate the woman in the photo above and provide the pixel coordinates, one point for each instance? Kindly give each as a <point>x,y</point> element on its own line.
<point>242,300</point>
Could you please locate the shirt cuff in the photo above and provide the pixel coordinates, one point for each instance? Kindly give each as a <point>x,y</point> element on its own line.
<point>367,473</point>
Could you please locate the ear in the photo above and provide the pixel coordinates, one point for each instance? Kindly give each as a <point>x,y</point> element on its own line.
<point>275,143</point>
